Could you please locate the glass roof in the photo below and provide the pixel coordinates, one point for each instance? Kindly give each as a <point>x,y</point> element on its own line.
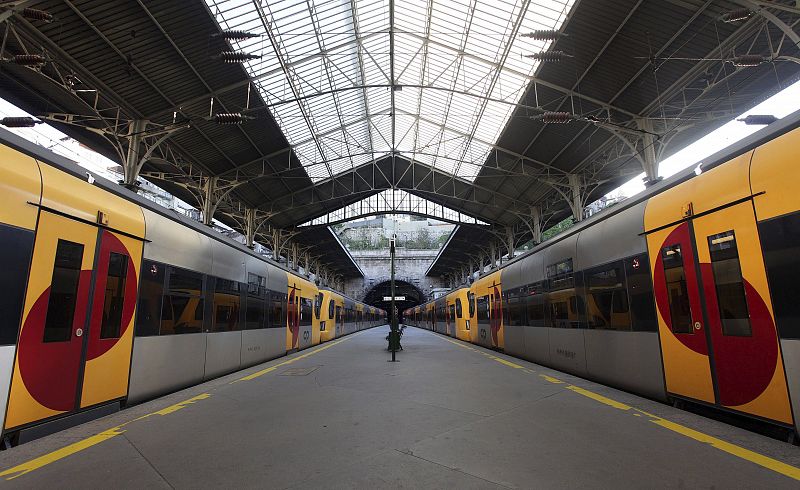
<point>326,67</point>
<point>393,201</point>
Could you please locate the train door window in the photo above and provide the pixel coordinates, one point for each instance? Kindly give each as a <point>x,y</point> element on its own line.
<point>151,291</point>
<point>482,306</point>
<point>452,312</point>
<point>306,309</point>
<point>331,307</point>
<point>679,310</point>
<point>338,313</point>
<point>607,298</point>
<point>640,294</point>
<point>727,273</point>
<point>471,303</point>
<point>114,296</point>
<point>318,305</point>
<point>459,309</point>
<point>63,292</point>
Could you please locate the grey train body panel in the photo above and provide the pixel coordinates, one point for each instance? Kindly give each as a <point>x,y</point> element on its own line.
<point>165,364</point>
<point>227,263</point>
<point>537,344</point>
<point>262,345</point>
<point>171,243</point>
<point>790,349</point>
<point>223,353</point>
<point>629,360</point>
<point>513,276</point>
<point>515,340</point>
<point>615,238</point>
<point>567,350</point>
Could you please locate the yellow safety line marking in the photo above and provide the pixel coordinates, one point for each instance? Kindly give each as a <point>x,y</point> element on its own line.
<point>107,434</point>
<point>294,359</point>
<point>76,447</point>
<point>738,451</point>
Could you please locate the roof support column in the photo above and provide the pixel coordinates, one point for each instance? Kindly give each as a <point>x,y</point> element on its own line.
<point>250,227</point>
<point>131,165</point>
<point>492,254</point>
<point>576,204</point>
<point>648,158</point>
<point>210,200</point>
<point>510,241</point>
<point>536,216</point>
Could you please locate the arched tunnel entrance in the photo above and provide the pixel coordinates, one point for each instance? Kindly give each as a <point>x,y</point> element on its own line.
<point>413,296</point>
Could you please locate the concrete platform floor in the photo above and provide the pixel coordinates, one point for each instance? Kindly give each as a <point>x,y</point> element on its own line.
<point>447,415</point>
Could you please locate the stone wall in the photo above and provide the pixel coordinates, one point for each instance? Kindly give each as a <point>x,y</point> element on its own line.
<point>410,266</point>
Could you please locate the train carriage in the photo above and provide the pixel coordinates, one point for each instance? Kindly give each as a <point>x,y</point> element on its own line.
<point>111,300</point>
<point>684,292</point>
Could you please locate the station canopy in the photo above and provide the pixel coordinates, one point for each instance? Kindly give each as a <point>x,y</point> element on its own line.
<point>489,113</point>
<point>333,80</point>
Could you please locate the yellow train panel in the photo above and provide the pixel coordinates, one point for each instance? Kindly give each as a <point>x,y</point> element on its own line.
<point>772,166</point>
<point>489,287</point>
<point>20,186</point>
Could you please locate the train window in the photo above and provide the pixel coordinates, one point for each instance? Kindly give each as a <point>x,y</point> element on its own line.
<point>256,309</point>
<point>640,294</point>
<point>331,306</point>
<point>227,305</point>
<point>16,245</point>
<point>535,305</point>
<point>151,290</point>
<point>181,314</point>
<point>607,298</point>
<point>185,281</point>
<point>114,296</point>
<point>780,240</point>
<point>679,309</point>
<point>306,307</point>
<point>277,318</point>
<point>63,292</point>
<point>459,309</point>
<point>566,307</point>
<point>727,272</point>
<point>514,311</point>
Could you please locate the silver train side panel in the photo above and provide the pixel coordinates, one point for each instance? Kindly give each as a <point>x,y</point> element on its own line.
<point>227,262</point>
<point>223,353</point>
<point>262,345</point>
<point>790,349</point>
<point>175,244</point>
<point>164,364</point>
<point>612,239</point>
<point>628,360</point>
<point>537,339</point>
<point>6,367</point>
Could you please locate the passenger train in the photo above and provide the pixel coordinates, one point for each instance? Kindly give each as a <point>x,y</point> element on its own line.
<point>686,292</point>
<point>109,299</point>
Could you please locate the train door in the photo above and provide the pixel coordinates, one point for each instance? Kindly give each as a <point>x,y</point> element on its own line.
<point>719,339</point>
<point>451,320</point>
<point>293,319</point>
<point>75,341</point>
<point>496,317</point>
<point>338,321</point>
<point>306,322</point>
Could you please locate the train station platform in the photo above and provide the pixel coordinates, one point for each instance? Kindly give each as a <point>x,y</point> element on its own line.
<point>447,415</point>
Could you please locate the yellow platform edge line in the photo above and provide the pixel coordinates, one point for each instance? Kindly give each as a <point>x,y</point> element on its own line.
<point>738,451</point>
<point>94,440</point>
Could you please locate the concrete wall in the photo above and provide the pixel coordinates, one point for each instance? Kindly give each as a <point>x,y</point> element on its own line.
<point>410,266</point>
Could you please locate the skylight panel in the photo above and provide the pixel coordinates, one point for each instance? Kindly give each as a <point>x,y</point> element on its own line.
<point>325,72</point>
